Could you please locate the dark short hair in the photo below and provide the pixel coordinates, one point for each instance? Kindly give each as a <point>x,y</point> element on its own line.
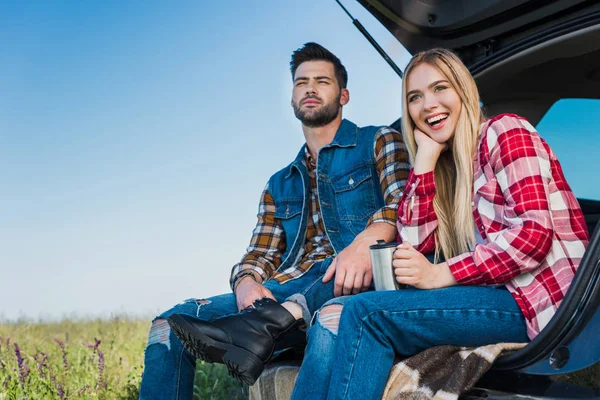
<point>315,52</point>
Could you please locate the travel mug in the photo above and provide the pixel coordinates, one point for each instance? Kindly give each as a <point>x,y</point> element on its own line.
<point>382,255</point>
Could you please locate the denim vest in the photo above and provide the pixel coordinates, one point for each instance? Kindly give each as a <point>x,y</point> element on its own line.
<point>348,188</point>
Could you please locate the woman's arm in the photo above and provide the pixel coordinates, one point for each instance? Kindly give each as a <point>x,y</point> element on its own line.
<point>416,217</point>
<point>521,163</point>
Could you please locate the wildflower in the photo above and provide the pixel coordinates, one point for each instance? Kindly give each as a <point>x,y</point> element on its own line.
<point>41,358</point>
<point>23,369</point>
<point>84,389</point>
<point>60,391</point>
<point>95,345</point>
<point>64,352</point>
<point>100,369</point>
<point>95,348</point>
<point>5,384</point>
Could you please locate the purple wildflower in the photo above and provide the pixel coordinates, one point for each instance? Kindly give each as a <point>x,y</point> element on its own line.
<point>60,391</point>
<point>41,358</point>
<point>64,352</point>
<point>95,348</point>
<point>84,389</point>
<point>23,368</point>
<point>95,345</point>
<point>100,383</point>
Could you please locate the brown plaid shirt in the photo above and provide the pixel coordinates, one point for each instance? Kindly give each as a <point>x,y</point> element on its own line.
<point>267,245</point>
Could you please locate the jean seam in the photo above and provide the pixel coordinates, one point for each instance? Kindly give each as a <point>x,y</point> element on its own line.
<point>178,372</point>
<point>355,346</point>
<point>510,313</point>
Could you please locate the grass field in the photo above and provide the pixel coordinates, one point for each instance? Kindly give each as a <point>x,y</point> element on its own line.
<point>100,359</point>
<point>103,359</point>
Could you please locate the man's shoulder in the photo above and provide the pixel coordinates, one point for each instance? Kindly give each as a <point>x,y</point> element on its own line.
<point>285,171</point>
<point>282,172</point>
<point>379,130</point>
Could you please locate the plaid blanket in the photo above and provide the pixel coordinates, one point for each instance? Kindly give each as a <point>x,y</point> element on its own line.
<point>442,373</point>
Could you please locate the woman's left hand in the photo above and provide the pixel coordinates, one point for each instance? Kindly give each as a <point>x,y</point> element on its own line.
<point>412,268</point>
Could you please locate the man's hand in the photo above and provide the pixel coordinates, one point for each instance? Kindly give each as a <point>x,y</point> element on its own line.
<point>249,290</point>
<point>412,268</point>
<point>352,268</point>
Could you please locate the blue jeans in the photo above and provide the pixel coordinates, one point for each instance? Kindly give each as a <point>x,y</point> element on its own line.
<point>376,326</point>
<point>169,369</point>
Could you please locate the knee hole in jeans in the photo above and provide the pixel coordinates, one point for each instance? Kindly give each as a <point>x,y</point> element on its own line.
<point>329,317</point>
<point>160,333</point>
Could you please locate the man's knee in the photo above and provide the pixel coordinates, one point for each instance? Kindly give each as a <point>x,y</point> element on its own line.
<point>329,317</point>
<point>160,333</point>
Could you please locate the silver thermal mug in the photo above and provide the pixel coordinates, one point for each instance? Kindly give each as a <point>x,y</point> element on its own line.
<point>382,255</point>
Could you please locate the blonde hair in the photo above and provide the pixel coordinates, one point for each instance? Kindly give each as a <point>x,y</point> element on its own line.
<point>454,169</point>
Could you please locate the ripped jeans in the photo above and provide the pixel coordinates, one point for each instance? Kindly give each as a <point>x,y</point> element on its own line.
<point>169,369</point>
<point>352,360</point>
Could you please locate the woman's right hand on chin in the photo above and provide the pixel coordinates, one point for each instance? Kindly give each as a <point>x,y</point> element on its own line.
<point>425,143</point>
<point>428,152</point>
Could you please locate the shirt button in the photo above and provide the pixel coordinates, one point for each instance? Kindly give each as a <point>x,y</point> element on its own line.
<point>472,203</point>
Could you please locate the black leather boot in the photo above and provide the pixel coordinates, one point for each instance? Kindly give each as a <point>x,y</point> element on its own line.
<point>242,341</point>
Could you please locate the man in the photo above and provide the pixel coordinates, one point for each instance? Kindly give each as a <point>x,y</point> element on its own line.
<point>316,220</point>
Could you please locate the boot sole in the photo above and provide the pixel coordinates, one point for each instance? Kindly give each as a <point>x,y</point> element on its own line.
<point>241,364</point>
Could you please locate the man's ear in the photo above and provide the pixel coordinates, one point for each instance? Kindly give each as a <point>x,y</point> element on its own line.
<point>344,97</point>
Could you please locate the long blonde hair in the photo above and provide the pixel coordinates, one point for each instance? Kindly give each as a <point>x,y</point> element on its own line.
<point>454,169</point>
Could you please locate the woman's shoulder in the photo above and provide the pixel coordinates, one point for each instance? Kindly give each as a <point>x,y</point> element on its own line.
<point>506,124</point>
<point>504,129</point>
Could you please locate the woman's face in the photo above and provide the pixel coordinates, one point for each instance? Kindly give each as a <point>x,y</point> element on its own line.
<point>433,104</point>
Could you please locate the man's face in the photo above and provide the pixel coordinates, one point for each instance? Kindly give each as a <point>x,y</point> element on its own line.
<point>317,99</point>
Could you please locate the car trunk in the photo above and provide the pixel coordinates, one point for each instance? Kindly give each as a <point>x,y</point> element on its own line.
<point>510,46</point>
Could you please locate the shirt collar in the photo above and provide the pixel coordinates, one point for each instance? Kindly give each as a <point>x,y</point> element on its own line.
<point>346,136</point>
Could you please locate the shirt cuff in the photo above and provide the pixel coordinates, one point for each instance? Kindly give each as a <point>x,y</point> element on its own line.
<point>258,277</point>
<point>386,214</point>
<point>420,184</point>
<point>465,270</point>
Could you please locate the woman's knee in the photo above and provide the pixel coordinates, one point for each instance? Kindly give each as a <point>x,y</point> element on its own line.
<point>329,317</point>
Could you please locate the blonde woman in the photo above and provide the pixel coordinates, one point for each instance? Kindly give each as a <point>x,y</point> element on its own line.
<point>488,197</point>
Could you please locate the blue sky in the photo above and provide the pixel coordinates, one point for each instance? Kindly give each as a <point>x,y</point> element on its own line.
<point>136,137</point>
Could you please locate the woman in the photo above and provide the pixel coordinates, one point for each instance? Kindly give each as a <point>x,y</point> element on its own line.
<point>490,198</point>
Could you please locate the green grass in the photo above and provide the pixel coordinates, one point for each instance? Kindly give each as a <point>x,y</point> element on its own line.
<point>122,342</point>
<point>111,370</point>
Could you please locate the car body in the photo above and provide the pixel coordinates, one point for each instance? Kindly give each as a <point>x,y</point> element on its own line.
<point>525,56</point>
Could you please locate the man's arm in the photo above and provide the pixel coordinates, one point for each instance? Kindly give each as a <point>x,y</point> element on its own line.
<point>352,266</point>
<point>263,255</point>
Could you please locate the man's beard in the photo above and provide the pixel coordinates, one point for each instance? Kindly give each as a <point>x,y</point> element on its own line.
<point>320,117</point>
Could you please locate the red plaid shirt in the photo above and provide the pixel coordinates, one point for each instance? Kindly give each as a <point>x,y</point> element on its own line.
<point>534,230</point>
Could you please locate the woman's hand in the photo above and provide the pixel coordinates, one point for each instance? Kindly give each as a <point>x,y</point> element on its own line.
<point>412,268</point>
<point>428,152</point>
